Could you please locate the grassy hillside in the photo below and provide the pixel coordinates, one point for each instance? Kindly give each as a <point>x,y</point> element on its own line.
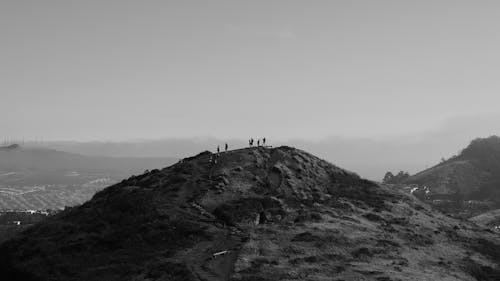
<point>469,180</point>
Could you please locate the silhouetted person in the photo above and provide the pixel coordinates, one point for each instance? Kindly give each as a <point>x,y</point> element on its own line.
<point>218,149</point>
<point>264,142</point>
<point>225,147</point>
<point>258,142</point>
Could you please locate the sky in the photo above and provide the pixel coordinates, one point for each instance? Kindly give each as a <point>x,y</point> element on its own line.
<point>120,70</point>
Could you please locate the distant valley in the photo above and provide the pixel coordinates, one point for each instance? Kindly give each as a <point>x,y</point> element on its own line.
<point>40,179</point>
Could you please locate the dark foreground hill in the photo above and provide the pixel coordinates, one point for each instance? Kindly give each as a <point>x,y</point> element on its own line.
<point>466,184</point>
<point>257,214</point>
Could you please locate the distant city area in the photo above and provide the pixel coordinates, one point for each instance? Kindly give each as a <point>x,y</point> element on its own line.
<point>26,190</point>
<point>40,178</point>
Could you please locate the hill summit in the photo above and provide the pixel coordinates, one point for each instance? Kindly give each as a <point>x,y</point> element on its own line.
<point>251,214</point>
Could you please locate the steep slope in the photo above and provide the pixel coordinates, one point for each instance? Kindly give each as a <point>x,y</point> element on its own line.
<point>255,214</point>
<point>468,183</point>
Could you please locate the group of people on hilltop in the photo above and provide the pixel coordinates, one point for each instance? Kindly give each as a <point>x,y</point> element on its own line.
<point>213,158</point>
<point>225,148</point>
<point>251,142</point>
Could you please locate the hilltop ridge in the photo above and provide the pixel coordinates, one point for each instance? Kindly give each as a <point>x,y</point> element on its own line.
<point>256,214</point>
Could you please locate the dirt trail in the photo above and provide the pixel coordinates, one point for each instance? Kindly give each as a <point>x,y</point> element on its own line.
<point>207,267</point>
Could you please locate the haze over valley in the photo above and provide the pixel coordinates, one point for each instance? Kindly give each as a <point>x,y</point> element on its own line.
<point>369,156</point>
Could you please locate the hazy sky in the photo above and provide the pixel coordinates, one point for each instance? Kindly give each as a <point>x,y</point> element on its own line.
<point>102,69</point>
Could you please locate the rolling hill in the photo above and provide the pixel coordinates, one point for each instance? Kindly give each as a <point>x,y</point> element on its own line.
<point>488,219</point>
<point>468,183</point>
<point>251,214</point>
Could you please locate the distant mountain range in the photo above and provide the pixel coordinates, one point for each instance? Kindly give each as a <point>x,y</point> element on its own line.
<point>16,158</point>
<point>370,158</point>
<point>9,147</point>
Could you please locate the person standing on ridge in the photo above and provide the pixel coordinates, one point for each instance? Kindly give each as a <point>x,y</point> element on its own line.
<point>258,142</point>
<point>218,149</point>
<point>226,147</point>
<point>263,141</point>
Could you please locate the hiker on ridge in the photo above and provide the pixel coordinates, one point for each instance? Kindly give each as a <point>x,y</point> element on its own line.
<point>218,149</point>
<point>263,141</point>
<point>258,142</point>
<point>226,147</point>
